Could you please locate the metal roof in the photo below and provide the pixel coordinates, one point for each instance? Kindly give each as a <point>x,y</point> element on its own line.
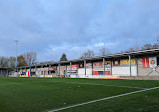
<point>109,56</point>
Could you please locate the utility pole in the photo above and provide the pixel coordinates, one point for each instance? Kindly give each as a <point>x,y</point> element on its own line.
<point>16,42</point>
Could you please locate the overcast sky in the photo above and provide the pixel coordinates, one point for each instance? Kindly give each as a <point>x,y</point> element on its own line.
<point>53,27</point>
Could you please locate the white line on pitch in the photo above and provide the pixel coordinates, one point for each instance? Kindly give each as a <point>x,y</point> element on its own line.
<point>102,99</point>
<point>99,84</point>
<point>10,83</point>
<point>110,85</point>
<point>92,84</point>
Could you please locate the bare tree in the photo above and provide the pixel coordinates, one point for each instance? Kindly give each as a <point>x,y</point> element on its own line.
<point>3,61</point>
<point>158,39</point>
<point>30,58</point>
<point>11,62</point>
<point>156,46</point>
<point>136,46</point>
<point>87,54</point>
<point>147,47</point>
<point>104,51</point>
<point>130,50</point>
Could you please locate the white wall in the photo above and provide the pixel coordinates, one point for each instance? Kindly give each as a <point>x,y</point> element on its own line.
<point>124,70</point>
<point>81,71</point>
<point>116,70</point>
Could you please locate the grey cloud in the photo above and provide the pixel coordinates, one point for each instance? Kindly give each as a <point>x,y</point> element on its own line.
<point>53,27</point>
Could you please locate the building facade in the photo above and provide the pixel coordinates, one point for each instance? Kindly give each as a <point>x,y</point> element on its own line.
<point>142,63</point>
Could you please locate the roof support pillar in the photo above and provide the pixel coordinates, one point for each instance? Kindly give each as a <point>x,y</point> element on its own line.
<point>92,67</point>
<point>85,67</point>
<point>7,73</point>
<point>111,67</point>
<point>77,68</point>
<point>49,69</point>
<point>35,69</point>
<point>59,69</point>
<point>30,71</point>
<point>17,72</point>
<point>137,67</point>
<point>21,71</point>
<point>56,71</point>
<point>25,71</point>
<point>103,66</point>
<point>70,67</point>
<point>130,64</point>
<point>42,70</point>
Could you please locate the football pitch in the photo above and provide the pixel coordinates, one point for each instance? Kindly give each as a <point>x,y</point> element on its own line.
<point>78,95</point>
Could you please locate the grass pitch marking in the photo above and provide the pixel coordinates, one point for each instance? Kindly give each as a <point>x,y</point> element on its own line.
<point>9,83</point>
<point>83,83</point>
<point>110,85</point>
<point>107,98</point>
<point>99,84</point>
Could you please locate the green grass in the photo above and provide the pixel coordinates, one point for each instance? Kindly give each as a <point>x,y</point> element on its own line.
<point>44,94</point>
